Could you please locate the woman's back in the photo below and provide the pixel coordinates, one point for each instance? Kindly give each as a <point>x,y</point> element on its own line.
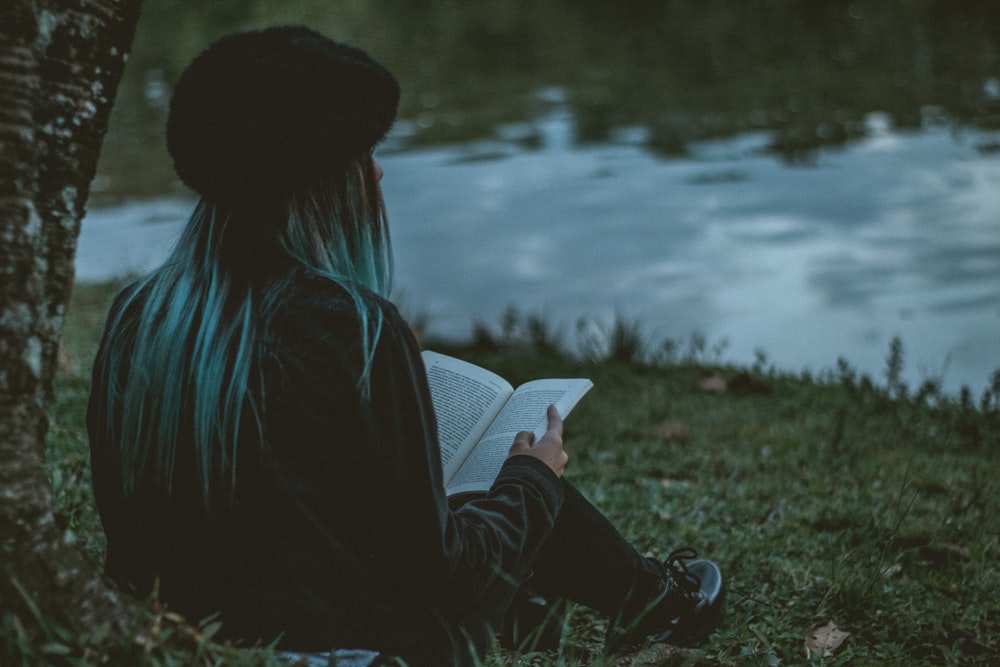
<point>290,548</point>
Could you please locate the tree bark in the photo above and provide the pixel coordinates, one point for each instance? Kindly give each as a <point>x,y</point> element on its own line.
<point>60,64</point>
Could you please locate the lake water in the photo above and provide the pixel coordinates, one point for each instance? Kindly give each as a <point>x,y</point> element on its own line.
<point>895,234</point>
<point>808,179</point>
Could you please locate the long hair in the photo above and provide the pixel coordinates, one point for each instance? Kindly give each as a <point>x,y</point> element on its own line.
<point>186,368</point>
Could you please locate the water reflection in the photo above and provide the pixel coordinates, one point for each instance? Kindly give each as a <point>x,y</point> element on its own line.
<point>808,73</point>
<point>895,235</point>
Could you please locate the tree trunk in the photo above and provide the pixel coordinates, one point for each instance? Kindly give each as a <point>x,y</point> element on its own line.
<point>60,64</point>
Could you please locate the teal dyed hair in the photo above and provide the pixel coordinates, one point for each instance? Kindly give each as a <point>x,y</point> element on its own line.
<point>186,369</point>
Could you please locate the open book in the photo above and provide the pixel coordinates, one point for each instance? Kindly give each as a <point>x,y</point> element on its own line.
<point>479,413</point>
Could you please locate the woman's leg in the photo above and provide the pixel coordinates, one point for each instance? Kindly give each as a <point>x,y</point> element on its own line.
<point>588,561</point>
<point>585,560</point>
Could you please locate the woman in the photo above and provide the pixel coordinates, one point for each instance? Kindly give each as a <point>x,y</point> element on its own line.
<point>263,441</point>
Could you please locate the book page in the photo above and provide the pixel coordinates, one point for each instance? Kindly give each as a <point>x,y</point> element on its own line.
<point>466,399</point>
<point>525,411</point>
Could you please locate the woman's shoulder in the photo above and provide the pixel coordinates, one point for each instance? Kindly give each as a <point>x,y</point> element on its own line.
<point>317,306</point>
<point>314,292</point>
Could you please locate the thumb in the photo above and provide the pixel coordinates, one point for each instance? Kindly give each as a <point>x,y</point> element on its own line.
<point>555,422</point>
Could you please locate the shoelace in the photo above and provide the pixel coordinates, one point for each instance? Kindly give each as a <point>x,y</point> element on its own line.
<point>675,569</point>
<point>679,581</point>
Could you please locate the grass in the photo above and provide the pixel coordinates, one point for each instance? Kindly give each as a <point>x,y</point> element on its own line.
<point>836,498</point>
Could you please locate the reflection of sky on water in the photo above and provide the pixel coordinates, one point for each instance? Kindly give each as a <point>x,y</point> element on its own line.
<point>899,234</point>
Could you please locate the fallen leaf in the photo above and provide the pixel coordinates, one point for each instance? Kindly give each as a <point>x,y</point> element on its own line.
<point>671,431</point>
<point>942,553</point>
<point>715,383</point>
<point>892,570</point>
<point>824,641</point>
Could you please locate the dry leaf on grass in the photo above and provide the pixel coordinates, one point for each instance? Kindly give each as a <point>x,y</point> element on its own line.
<point>671,431</point>
<point>715,383</point>
<point>824,641</point>
<point>942,553</point>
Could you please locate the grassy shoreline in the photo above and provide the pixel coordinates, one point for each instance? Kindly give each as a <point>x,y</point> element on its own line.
<point>825,500</point>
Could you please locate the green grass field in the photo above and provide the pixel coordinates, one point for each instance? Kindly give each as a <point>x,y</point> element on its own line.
<point>841,499</point>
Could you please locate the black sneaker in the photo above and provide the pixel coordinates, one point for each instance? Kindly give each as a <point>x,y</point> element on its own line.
<point>687,609</point>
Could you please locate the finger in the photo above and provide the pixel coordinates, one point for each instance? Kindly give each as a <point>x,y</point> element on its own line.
<point>523,440</point>
<point>555,421</point>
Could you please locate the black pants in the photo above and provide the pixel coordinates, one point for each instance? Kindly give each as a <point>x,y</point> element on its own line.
<point>585,560</point>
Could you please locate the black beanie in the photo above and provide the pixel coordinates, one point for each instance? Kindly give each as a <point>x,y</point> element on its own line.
<point>263,114</point>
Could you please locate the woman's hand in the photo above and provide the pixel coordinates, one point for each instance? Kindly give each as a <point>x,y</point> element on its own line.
<point>549,448</point>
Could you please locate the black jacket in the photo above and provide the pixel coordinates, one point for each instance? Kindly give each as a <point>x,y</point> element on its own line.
<point>338,532</point>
